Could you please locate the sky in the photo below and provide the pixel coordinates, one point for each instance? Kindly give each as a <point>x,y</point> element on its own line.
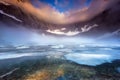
<point>58,12</point>
<point>70,11</point>
<point>64,11</point>
<point>65,5</point>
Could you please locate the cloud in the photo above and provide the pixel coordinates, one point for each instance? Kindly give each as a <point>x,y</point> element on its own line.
<point>96,7</point>
<point>3,2</point>
<point>50,14</point>
<point>11,16</point>
<point>86,28</point>
<point>56,2</point>
<point>59,32</point>
<point>107,35</point>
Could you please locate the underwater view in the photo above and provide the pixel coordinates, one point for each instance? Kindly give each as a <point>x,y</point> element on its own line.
<point>59,39</point>
<point>60,62</point>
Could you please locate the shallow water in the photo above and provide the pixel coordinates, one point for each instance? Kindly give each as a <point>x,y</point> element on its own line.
<point>87,55</point>
<point>94,55</point>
